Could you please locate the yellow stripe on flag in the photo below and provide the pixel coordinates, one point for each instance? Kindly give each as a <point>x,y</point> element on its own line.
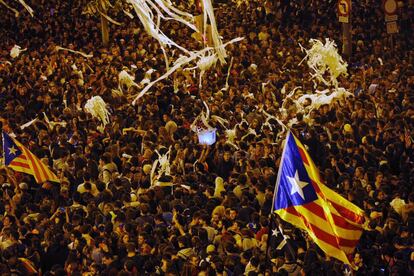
<point>39,170</point>
<point>326,247</point>
<point>334,223</point>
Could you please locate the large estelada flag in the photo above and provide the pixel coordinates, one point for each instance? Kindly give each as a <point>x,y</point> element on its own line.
<point>19,158</point>
<point>333,223</point>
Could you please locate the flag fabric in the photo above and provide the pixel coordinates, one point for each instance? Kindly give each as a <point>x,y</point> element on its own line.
<point>29,266</point>
<point>277,240</point>
<point>19,158</point>
<point>333,223</point>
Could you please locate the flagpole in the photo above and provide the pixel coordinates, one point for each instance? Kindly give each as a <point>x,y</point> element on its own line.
<point>269,236</point>
<point>272,215</point>
<point>279,173</point>
<point>3,154</point>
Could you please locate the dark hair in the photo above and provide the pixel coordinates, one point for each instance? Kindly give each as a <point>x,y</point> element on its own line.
<point>86,176</point>
<point>242,179</point>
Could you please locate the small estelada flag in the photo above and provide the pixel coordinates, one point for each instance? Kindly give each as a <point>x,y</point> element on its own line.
<point>19,158</point>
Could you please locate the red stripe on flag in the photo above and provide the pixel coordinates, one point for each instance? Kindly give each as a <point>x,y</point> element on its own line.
<point>34,164</point>
<point>315,186</point>
<point>348,214</point>
<point>42,167</point>
<point>338,220</point>
<point>19,164</point>
<point>321,234</point>
<point>303,156</point>
<point>22,156</point>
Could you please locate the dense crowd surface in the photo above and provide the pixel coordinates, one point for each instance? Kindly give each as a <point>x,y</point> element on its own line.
<point>105,217</point>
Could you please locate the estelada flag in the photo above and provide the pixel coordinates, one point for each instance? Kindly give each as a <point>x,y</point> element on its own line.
<point>333,223</point>
<point>19,158</point>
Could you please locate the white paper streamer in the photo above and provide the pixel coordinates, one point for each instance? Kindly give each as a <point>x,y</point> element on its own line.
<point>16,12</point>
<point>100,7</point>
<point>109,18</point>
<point>180,62</point>
<point>152,174</point>
<point>52,124</point>
<point>16,51</point>
<point>150,13</point>
<point>147,77</point>
<point>28,123</point>
<point>204,117</point>
<point>176,14</point>
<point>267,122</point>
<point>59,48</point>
<point>146,16</point>
<point>125,79</point>
<point>321,98</point>
<point>206,134</point>
<point>205,63</point>
<point>5,62</point>
<point>162,164</point>
<point>226,87</point>
<point>27,7</point>
<point>128,14</point>
<point>218,43</point>
<point>97,107</point>
<point>220,120</point>
<point>324,58</point>
<point>380,61</point>
<point>231,137</point>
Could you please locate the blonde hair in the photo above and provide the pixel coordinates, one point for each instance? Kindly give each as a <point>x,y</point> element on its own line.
<point>219,210</point>
<point>219,187</point>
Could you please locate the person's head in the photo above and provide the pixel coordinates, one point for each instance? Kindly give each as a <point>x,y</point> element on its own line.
<point>88,186</point>
<point>8,220</point>
<point>359,172</point>
<point>226,156</point>
<point>107,259</point>
<point>358,260</point>
<point>8,208</point>
<point>204,219</point>
<point>141,239</point>
<point>86,177</point>
<point>381,195</point>
<point>242,180</point>
<point>72,267</point>
<point>233,214</point>
<point>105,159</point>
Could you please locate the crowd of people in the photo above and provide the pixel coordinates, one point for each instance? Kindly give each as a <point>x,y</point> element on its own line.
<point>210,214</point>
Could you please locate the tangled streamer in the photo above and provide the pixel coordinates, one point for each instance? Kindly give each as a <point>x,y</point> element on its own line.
<point>151,12</point>
<point>16,50</point>
<point>97,107</point>
<point>59,48</point>
<point>324,59</point>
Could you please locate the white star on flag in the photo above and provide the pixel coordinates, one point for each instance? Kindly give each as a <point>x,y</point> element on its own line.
<point>12,150</point>
<point>297,185</point>
<point>275,232</point>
